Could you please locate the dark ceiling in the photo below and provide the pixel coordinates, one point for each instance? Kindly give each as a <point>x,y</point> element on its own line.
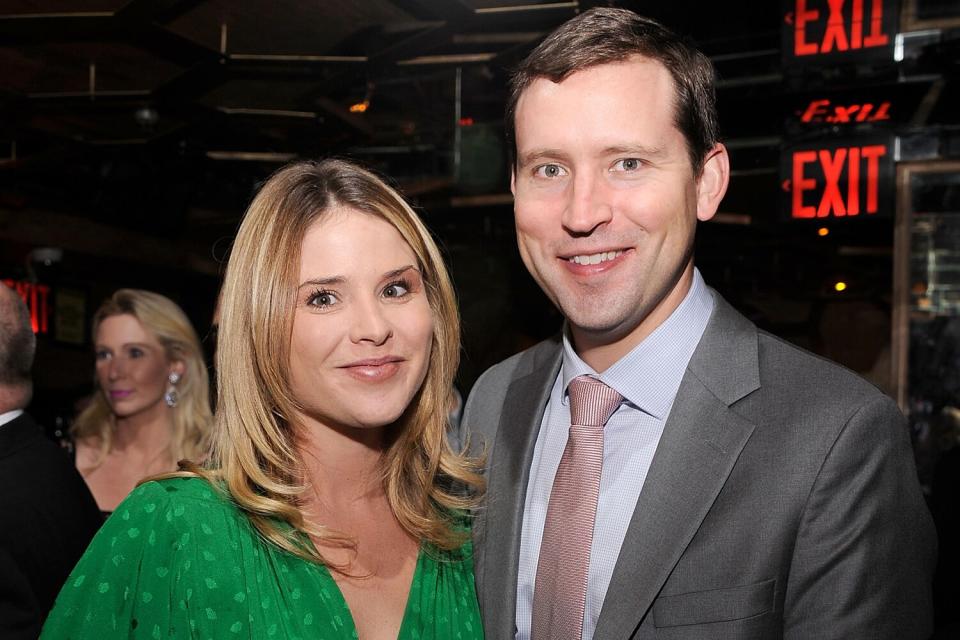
<point>139,129</point>
<point>152,121</point>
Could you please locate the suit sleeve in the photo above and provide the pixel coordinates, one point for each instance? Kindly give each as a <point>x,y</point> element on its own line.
<point>122,587</point>
<point>865,551</point>
<point>20,614</point>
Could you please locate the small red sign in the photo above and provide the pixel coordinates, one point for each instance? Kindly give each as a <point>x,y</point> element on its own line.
<point>826,111</point>
<point>35,296</point>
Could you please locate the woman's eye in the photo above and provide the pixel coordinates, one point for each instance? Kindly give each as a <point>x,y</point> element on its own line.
<point>627,164</point>
<point>396,290</point>
<point>549,171</point>
<point>323,299</point>
<point>136,353</point>
<point>101,354</point>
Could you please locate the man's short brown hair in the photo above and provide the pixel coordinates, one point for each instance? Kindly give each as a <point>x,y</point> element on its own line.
<point>604,35</point>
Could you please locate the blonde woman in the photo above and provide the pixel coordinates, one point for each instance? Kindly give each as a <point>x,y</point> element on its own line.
<point>152,407</point>
<point>326,510</point>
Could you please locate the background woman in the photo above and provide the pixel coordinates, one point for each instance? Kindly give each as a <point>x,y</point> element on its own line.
<point>327,509</point>
<point>152,407</point>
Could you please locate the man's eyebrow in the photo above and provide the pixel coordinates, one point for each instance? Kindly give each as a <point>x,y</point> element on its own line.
<point>640,150</point>
<point>534,155</point>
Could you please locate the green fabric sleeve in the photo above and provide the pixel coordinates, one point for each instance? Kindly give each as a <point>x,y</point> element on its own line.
<point>124,576</point>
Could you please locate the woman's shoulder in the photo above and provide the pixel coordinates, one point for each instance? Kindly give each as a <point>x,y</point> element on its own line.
<point>85,451</point>
<point>178,500</point>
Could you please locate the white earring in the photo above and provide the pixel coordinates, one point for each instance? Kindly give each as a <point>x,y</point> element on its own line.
<point>171,397</point>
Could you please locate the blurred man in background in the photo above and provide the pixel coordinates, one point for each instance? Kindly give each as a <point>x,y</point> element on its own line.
<point>47,515</point>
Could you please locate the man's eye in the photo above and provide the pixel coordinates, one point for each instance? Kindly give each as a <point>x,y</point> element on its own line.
<point>549,171</point>
<point>627,164</point>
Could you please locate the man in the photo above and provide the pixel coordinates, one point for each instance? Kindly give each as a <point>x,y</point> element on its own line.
<point>747,489</point>
<point>47,515</point>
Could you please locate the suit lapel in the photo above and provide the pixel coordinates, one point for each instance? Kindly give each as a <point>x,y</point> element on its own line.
<point>699,447</point>
<point>523,408</point>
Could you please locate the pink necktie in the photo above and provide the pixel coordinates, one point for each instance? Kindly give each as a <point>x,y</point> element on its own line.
<point>561,588</point>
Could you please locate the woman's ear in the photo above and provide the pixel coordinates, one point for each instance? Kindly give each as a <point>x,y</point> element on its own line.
<point>178,367</point>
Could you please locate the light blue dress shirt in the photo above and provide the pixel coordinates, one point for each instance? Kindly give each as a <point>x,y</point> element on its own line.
<point>648,378</point>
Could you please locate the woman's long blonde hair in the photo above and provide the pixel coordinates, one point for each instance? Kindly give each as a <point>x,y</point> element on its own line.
<point>190,418</point>
<point>254,451</point>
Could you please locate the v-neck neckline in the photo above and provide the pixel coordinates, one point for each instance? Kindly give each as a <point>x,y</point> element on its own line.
<point>407,609</point>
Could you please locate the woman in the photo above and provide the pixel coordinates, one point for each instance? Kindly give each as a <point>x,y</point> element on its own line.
<point>152,406</point>
<point>326,510</point>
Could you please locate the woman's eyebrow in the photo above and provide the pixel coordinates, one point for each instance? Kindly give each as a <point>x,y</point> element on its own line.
<point>322,281</point>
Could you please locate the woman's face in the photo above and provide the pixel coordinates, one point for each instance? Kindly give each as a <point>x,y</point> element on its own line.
<point>362,327</point>
<point>132,366</point>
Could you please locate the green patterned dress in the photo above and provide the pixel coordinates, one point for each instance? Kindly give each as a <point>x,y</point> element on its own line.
<point>179,560</point>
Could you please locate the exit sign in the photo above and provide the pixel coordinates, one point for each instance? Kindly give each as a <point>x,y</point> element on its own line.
<point>839,179</point>
<point>836,31</point>
<point>36,297</point>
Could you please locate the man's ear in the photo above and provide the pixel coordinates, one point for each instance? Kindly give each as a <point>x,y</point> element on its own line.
<point>513,181</point>
<point>713,181</point>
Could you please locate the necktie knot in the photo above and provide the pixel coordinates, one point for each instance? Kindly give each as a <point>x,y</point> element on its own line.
<point>591,402</point>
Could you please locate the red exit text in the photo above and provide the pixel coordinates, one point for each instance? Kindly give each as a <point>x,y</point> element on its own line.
<point>825,111</point>
<point>857,24</point>
<point>838,182</point>
<point>35,297</point>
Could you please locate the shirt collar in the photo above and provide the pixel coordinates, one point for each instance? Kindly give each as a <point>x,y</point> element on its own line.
<point>649,376</point>
<point>10,416</point>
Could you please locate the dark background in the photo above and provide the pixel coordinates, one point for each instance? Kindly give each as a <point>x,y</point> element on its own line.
<point>134,133</point>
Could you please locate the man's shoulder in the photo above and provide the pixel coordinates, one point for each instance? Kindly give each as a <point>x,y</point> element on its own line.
<point>498,377</point>
<point>814,390</point>
<point>484,405</point>
<point>31,459</point>
<point>784,369</point>
<point>790,364</point>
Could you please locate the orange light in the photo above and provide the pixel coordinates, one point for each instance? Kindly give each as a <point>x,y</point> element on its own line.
<point>360,107</point>
<point>823,231</point>
<point>840,286</point>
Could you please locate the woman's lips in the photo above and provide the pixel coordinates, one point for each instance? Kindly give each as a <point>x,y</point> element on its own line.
<point>373,369</point>
<point>119,394</point>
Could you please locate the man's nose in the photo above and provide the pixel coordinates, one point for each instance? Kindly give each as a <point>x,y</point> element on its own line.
<point>588,206</point>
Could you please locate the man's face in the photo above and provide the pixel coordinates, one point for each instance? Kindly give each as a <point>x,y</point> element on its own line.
<point>606,200</point>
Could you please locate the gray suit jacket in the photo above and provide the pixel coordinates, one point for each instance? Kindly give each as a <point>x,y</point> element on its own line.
<point>782,501</point>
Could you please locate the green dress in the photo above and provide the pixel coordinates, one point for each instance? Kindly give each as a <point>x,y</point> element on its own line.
<point>178,560</point>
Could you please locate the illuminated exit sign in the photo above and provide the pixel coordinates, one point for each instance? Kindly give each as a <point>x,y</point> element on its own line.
<point>839,179</point>
<point>834,31</point>
<point>36,297</point>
